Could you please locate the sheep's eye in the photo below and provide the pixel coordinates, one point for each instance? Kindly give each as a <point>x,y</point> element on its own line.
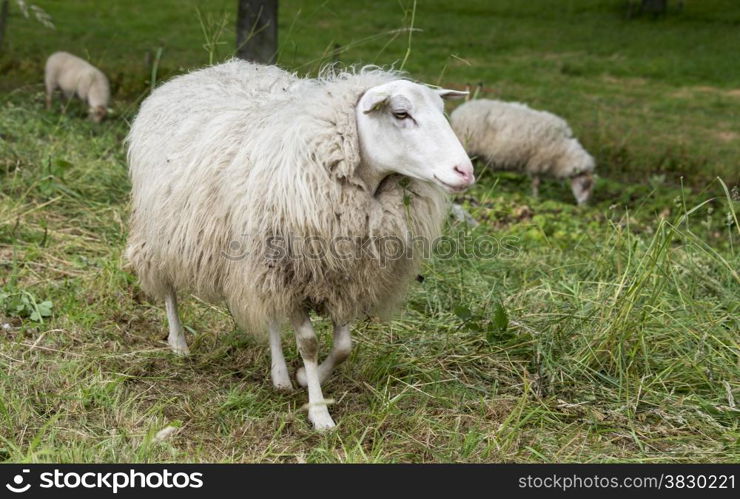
<point>400,115</point>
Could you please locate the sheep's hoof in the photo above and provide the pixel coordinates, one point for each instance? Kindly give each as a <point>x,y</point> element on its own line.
<point>320,418</point>
<point>281,380</point>
<point>300,376</point>
<point>179,347</point>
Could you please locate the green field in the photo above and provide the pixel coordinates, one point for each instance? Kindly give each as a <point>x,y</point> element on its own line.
<point>609,333</point>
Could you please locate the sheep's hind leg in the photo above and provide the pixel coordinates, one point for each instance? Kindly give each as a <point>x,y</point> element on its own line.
<point>176,338</point>
<point>279,369</point>
<point>341,349</point>
<point>308,346</point>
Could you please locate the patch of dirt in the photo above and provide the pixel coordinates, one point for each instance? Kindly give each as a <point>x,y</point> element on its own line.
<point>557,56</point>
<point>630,82</point>
<point>688,92</point>
<point>683,93</point>
<point>726,136</point>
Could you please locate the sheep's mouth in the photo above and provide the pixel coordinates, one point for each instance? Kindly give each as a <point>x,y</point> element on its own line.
<point>449,187</point>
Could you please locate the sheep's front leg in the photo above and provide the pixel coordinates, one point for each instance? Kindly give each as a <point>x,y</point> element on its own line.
<point>308,346</point>
<point>176,338</point>
<point>535,186</point>
<point>279,369</point>
<point>50,87</point>
<point>341,349</point>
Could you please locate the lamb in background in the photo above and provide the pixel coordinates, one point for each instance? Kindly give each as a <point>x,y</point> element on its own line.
<point>74,75</point>
<point>297,172</point>
<point>512,136</point>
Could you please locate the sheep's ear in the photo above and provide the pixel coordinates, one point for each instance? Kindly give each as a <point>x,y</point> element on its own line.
<point>447,93</point>
<point>373,100</point>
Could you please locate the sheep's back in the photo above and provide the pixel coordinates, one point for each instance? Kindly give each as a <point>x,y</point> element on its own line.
<point>509,135</point>
<point>180,114</point>
<point>75,75</point>
<point>181,148</point>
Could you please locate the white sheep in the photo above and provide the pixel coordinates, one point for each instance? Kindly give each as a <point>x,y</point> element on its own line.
<point>281,196</point>
<point>74,75</point>
<point>509,135</point>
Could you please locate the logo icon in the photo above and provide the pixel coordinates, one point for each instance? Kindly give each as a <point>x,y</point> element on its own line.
<point>18,481</point>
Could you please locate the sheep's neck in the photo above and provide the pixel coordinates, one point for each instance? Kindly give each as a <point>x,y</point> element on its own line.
<point>371,177</point>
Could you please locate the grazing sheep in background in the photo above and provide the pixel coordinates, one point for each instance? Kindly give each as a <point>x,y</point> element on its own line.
<point>306,180</point>
<point>77,76</point>
<point>509,135</point>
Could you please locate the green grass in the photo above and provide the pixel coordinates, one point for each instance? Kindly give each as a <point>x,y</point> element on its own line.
<point>644,96</point>
<point>596,334</point>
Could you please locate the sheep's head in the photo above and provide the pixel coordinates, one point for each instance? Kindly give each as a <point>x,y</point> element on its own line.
<point>98,113</point>
<point>402,129</point>
<point>580,164</point>
<point>582,186</point>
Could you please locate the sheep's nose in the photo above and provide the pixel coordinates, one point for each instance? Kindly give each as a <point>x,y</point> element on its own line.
<point>465,171</point>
